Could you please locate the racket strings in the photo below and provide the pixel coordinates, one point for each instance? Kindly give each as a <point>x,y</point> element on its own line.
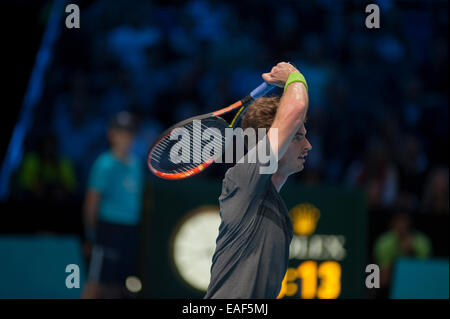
<point>211,134</point>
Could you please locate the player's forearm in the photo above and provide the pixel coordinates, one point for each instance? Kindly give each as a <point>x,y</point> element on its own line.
<point>290,115</point>
<point>293,105</point>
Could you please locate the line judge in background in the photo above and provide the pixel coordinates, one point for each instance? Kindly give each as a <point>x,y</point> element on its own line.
<point>112,213</point>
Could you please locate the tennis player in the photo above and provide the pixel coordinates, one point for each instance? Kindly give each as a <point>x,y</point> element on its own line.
<point>252,248</point>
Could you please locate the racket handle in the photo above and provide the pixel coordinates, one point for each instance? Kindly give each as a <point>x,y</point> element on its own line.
<point>261,90</point>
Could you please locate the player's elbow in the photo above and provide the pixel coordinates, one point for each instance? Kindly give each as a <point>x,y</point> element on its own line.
<point>300,103</point>
<point>296,112</point>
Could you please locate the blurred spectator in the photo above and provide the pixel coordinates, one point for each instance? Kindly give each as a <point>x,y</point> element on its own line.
<point>402,240</point>
<point>434,79</point>
<point>316,67</point>
<point>148,129</point>
<point>413,100</point>
<point>112,213</point>
<point>412,165</point>
<point>199,55</point>
<point>78,129</point>
<point>118,95</point>
<point>435,198</point>
<point>377,175</point>
<point>45,175</point>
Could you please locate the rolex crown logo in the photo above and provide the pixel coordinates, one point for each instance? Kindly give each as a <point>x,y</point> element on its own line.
<point>304,218</point>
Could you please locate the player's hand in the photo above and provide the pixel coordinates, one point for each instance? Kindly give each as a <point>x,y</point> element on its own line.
<point>279,74</point>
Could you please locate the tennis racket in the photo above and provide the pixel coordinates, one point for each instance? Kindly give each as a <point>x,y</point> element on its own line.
<point>160,157</point>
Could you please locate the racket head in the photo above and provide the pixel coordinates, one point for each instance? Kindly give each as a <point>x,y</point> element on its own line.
<point>164,159</point>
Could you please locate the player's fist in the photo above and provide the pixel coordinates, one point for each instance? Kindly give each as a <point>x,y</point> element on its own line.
<point>279,74</point>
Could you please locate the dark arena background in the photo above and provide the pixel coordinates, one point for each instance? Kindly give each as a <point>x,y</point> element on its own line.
<point>375,188</point>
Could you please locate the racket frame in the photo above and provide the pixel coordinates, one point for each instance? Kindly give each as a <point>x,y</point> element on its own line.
<point>242,104</point>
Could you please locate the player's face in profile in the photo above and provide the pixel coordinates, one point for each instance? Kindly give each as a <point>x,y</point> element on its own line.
<point>294,159</point>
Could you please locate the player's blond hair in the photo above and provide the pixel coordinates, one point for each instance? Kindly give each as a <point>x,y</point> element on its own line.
<point>261,113</point>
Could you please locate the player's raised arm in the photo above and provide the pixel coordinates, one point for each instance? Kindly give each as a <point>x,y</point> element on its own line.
<point>293,106</point>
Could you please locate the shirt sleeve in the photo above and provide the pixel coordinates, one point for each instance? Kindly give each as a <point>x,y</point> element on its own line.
<point>242,187</point>
<point>98,176</point>
<point>255,170</point>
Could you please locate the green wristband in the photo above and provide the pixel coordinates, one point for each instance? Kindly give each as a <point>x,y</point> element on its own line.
<point>295,77</point>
